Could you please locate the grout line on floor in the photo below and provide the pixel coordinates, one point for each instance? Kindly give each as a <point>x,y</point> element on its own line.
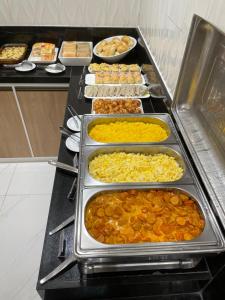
<point>29,245</point>
<point>7,166</point>
<point>18,195</point>
<point>25,283</point>
<point>10,181</point>
<point>1,206</point>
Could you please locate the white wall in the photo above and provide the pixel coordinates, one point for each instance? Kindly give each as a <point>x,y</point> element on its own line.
<point>165,25</point>
<point>70,12</point>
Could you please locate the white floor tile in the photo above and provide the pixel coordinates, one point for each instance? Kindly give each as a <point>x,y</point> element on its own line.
<point>19,281</point>
<point>1,202</point>
<point>6,174</point>
<point>22,226</point>
<point>28,291</point>
<point>32,178</point>
<point>25,194</point>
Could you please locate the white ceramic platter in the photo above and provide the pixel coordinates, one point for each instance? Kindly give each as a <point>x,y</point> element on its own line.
<point>90,80</point>
<point>93,101</point>
<point>37,59</point>
<point>106,88</point>
<point>92,72</point>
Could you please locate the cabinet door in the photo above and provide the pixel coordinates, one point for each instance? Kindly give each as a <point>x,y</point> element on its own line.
<point>13,141</point>
<point>43,113</point>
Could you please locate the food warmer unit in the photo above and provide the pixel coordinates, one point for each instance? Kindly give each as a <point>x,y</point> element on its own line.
<point>196,139</point>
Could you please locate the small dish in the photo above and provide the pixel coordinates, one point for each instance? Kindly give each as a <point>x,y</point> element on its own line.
<point>55,68</point>
<point>72,145</point>
<point>72,125</point>
<point>76,61</point>
<point>25,66</point>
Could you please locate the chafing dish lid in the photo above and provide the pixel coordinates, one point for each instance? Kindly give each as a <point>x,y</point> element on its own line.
<point>199,106</point>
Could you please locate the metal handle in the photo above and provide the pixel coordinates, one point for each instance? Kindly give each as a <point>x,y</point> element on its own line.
<point>72,189</point>
<point>63,166</point>
<point>65,131</point>
<point>73,116</point>
<point>68,261</point>
<point>62,225</point>
<point>70,107</point>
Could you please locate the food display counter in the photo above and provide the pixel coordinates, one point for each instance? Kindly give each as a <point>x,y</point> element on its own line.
<point>182,256</point>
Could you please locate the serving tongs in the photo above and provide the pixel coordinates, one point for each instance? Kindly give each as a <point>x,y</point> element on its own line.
<point>62,225</point>
<point>66,132</point>
<point>66,263</point>
<point>71,218</point>
<point>74,114</point>
<point>63,166</point>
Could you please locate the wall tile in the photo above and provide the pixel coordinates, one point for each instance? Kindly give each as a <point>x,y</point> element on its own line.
<point>166,24</point>
<point>70,12</point>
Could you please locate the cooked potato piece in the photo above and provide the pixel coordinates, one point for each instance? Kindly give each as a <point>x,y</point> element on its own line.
<point>128,217</point>
<point>12,52</point>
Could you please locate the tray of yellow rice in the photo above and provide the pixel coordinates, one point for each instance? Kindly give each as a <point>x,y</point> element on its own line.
<point>127,129</point>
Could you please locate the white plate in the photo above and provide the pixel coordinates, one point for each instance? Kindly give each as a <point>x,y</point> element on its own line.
<point>55,68</point>
<point>37,59</point>
<point>118,57</point>
<point>71,124</point>
<point>90,80</point>
<point>25,66</point>
<point>114,97</point>
<point>72,145</point>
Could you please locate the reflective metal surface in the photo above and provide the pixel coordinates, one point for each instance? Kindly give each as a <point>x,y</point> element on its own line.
<point>91,268</point>
<point>88,153</point>
<point>164,120</point>
<point>87,247</point>
<point>199,107</point>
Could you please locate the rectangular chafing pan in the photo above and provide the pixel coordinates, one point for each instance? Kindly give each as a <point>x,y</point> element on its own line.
<point>89,152</point>
<point>86,247</point>
<point>164,120</point>
<point>9,61</point>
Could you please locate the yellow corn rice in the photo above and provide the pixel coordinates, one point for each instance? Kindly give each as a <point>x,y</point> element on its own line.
<point>125,132</point>
<point>134,167</point>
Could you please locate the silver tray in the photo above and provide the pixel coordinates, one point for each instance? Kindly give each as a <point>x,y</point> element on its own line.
<point>164,120</point>
<point>89,152</point>
<point>86,247</point>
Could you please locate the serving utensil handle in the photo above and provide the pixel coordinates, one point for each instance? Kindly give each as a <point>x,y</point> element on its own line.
<point>68,261</point>
<point>73,111</point>
<point>63,166</point>
<point>62,225</point>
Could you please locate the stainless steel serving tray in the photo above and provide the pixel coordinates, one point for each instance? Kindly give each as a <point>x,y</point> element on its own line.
<point>164,120</point>
<point>89,152</point>
<point>86,247</point>
<point>199,107</point>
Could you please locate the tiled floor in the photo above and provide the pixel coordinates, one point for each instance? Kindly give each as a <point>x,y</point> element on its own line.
<point>25,193</point>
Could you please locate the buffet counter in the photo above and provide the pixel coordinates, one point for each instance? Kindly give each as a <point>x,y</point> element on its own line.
<point>190,275</point>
